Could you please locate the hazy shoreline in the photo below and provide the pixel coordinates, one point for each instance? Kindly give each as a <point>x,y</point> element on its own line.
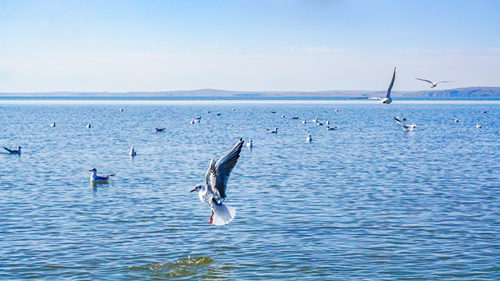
<point>459,93</point>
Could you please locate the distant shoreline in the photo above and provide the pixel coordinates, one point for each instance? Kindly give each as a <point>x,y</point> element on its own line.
<point>454,94</point>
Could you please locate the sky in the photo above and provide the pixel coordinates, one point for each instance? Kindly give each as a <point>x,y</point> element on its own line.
<point>273,45</point>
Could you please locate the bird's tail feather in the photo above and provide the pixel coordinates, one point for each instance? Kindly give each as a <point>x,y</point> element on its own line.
<point>223,214</point>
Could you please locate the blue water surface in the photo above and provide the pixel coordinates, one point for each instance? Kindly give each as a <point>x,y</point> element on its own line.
<point>367,201</point>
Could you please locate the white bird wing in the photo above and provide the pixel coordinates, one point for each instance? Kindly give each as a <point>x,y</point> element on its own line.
<point>388,95</point>
<point>443,82</point>
<point>425,80</point>
<point>218,174</point>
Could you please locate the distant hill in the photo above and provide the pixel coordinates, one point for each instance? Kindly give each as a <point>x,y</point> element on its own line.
<point>459,93</point>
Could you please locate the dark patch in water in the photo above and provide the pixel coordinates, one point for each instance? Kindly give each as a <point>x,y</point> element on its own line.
<point>182,268</point>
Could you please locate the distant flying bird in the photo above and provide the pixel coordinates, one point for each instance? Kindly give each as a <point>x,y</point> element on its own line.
<point>275,131</point>
<point>94,178</point>
<point>159,130</point>
<point>13,151</point>
<point>433,84</point>
<point>132,152</point>
<point>216,178</point>
<point>408,128</point>
<point>388,98</point>
<point>309,138</point>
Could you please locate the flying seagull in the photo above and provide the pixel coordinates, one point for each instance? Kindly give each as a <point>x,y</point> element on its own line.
<point>214,193</point>
<point>388,98</point>
<point>13,151</point>
<point>433,84</point>
<point>94,178</point>
<point>408,128</point>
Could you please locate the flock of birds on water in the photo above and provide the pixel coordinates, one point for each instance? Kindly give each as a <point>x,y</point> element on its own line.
<point>217,175</point>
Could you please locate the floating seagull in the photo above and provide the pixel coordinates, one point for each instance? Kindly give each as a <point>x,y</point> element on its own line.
<point>304,121</point>
<point>208,111</point>
<point>328,128</point>
<point>89,126</point>
<point>14,151</point>
<point>132,152</point>
<point>275,131</point>
<point>319,123</point>
<point>295,117</point>
<point>282,115</point>
<point>309,138</point>
<point>327,122</point>
<point>433,84</point>
<point>121,109</point>
<point>214,193</point>
<point>233,109</point>
<point>94,178</point>
<point>218,114</point>
<point>388,98</point>
<point>53,124</point>
<point>456,120</point>
<point>315,120</point>
<point>337,110</point>
<point>479,126</point>
<point>195,121</point>
<point>159,130</point>
<point>250,144</point>
<point>273,112</point>
<point>408,128</point>
<point>197,118</point>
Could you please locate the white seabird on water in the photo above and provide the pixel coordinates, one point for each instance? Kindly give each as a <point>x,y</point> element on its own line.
<point>132,152</point>
<point>94,178</point>
<point>13,151</point>
<point>275,131</point>
<point>89,126</point>
<point>388,99</point>
<point>479,126</point>
<point>250,144</point>
<point>121,109</point>
<point>309,138</point>
<point>456,120</point>
<point>53,124</point>
<point>216,178</point>
<point>433,84</point>
<point>408,128</point>
<point>304,121</point>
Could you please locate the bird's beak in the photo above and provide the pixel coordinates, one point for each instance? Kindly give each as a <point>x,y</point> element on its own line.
<point>90,170</point>
<point>193,190</point>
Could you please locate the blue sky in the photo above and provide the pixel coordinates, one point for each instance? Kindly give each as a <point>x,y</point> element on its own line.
<point>246,45</point>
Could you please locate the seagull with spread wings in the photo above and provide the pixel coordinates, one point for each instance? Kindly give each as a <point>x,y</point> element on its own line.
<point>433,84</point>
<point>388,99</point>
<point>214,193</point>
<point>408,128</point>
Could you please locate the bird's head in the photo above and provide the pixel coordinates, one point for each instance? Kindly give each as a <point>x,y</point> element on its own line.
<point>93,170</point>
<point>197,188</point>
